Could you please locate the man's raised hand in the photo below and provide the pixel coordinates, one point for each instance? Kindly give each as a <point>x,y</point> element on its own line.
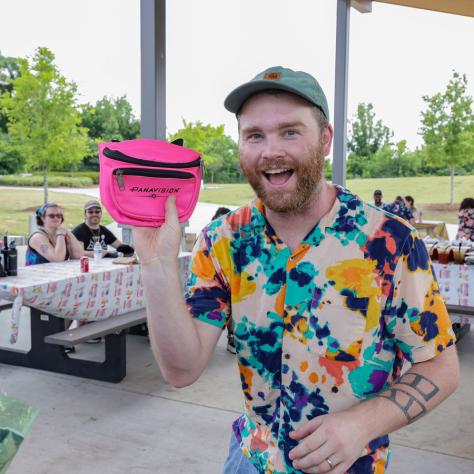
<point>152,243</point>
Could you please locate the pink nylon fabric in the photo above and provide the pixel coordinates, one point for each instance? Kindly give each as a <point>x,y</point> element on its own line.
<point>134,193</point>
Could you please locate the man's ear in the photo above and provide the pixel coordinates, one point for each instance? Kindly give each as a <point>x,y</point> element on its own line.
<point>327,139</point>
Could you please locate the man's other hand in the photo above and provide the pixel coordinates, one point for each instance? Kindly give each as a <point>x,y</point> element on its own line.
<point>329,443</point>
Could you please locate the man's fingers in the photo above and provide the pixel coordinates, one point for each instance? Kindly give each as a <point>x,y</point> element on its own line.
<point>307,445</point>
<point>316,457</point>
<point>307,428</point>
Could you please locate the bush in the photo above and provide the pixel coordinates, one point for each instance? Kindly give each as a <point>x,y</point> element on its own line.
<point>93,175</point>
<point>53,181</point>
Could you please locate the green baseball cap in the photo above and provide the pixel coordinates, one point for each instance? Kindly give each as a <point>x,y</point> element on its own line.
<point>280,78</point>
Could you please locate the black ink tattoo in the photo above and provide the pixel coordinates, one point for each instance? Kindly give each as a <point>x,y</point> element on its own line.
<point>425,387</point>
<point>410,406</point>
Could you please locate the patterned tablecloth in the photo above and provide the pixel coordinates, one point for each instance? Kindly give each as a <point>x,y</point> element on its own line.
<point>62,290</point>
<point>456,283</point>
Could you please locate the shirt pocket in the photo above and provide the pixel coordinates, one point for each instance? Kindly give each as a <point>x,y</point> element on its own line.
<point>338,329</point>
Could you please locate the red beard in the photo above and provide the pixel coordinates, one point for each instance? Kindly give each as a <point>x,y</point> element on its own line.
<point>309,174</point>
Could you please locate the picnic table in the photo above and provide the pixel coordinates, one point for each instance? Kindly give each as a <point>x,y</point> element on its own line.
<point>58,291</point>
<point>456,284</point>
<point>435,229</point>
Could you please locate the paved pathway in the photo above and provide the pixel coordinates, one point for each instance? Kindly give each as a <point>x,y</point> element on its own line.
<point>202,215</point>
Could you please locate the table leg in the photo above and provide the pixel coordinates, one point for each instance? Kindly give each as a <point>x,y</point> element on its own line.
<point>53,358</point>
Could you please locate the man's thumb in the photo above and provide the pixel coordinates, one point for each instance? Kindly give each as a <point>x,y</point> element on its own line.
<point>171,211</point>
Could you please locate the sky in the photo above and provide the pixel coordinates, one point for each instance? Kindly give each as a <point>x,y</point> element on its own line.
<point>396,56</point>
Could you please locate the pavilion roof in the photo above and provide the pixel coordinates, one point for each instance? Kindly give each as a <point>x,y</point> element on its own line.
<point>457,7</point>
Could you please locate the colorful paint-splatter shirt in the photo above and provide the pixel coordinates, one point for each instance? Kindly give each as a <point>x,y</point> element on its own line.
<point>321,328</point>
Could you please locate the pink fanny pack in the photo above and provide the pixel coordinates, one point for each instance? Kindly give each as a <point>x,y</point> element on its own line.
<point>137,176</point>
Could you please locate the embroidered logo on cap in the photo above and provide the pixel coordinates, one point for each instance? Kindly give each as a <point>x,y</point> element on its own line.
<point>272,76</point>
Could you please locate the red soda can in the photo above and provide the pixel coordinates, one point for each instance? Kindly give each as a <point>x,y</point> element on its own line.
<point>84,264</point>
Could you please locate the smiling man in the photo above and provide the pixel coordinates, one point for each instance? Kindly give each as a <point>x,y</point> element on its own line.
<point>330,298</point>
<point>91,231</point>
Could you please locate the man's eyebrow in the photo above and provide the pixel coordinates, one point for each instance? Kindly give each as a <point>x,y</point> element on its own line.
<point>251,129</point>
<point>280,126</point>
<point>294,124</point>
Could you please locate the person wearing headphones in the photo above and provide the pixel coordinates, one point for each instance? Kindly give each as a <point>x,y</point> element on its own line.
<point>51,242</point>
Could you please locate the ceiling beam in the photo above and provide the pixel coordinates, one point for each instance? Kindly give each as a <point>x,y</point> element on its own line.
<point>362,6</point>
<point>456,7</point>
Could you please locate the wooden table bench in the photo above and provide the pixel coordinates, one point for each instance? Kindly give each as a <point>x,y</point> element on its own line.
<point>463,327</point>
<point>4,304</point>
<point>48,339</point>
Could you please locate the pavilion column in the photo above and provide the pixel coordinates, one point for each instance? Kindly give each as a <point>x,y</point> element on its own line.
<point>153,68</point>
<point>340,92</point>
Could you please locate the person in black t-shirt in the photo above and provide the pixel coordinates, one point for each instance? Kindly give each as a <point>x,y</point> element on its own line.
<point>90,231</point>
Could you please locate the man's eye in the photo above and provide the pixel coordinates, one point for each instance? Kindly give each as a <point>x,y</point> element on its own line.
<point>254,136</point>
<point>291,133</point>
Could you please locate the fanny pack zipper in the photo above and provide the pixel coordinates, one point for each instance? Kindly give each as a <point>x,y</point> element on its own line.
<point>120,172</point>
<point>119,156</point>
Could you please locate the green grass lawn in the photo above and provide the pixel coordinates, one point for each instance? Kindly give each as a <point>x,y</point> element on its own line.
<point>17,205</point>
<point>430,193</point>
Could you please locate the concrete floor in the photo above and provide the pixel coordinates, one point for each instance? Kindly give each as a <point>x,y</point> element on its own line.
<point>143,425</point>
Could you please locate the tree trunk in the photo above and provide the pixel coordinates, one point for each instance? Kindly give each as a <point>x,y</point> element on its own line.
<point>451,185</point>
<point>45,185</point>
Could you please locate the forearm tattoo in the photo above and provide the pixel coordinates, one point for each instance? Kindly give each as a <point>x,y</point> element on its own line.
<point>425,387</point>
<point>411,406</point>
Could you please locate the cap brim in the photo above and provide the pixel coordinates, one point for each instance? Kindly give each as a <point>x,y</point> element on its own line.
<point>235,100</point>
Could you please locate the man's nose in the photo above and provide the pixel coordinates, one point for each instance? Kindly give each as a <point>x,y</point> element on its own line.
<point>273,148</point>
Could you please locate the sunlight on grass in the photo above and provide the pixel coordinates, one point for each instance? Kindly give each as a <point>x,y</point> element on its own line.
<point>16,205</point>
<point>430,193</point>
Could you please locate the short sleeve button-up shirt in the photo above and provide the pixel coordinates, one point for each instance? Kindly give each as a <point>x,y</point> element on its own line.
<point>319,329</point>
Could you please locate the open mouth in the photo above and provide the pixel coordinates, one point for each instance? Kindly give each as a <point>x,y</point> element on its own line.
<point>278,176</point>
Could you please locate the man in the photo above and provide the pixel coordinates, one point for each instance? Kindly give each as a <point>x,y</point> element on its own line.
<point>378,196</point>
<point>90,232</point>
<point>328,296</point>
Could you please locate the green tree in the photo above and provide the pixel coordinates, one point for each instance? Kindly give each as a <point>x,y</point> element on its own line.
<point>109,119</point>
<point>369,140</point>
<point>43,120</point>
<point>10,160</point>
<point>367,135</point>
<point>9,71</point>
<point>447,127</point>
<point>327,169</point>
<point>219,150</point>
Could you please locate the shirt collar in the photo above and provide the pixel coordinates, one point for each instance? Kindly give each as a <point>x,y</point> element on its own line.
<point>340,218</point>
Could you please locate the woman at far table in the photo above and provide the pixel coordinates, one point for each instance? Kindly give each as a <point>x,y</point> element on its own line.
<point>466,219</point>
<point>51,242</point>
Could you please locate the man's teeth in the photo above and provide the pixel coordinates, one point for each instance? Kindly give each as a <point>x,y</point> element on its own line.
<point>277,170</point>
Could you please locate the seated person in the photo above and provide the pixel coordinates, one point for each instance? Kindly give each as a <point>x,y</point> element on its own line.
<point>466,220</point>
<point>51,242</point>
<point>410,203</point>
<point>398,208</point>
<point>90,232</point>
<point>220,211</point>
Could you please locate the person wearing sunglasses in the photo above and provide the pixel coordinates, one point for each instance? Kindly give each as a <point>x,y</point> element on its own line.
<point>51,242</point>
<point>90,232</point>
